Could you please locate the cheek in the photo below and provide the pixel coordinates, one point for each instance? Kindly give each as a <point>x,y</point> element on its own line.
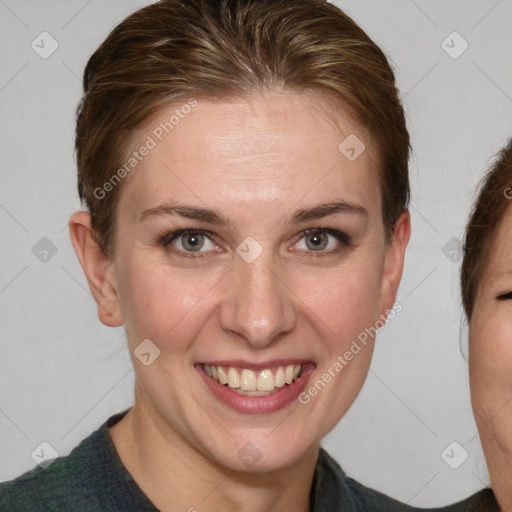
<point>345,299</point>
<point>490,367</point>
<point>490,360</point>
<point>157,300</point>
<point>171,305</point>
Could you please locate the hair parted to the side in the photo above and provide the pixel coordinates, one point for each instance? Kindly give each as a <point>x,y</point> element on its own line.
<point>493,200</point>
<point>174,50</point>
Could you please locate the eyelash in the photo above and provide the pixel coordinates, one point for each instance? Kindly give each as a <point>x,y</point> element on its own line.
<point>505,296</point>
<point>166,240</point>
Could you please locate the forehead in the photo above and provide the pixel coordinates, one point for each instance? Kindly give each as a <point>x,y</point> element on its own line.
<point>265,149</point>
<point>499,259</point>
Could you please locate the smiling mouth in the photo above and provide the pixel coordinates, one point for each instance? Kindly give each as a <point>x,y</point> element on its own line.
<point>254,383</point>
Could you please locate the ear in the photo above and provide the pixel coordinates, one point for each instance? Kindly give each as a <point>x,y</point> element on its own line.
<point>98,269</point>
<point>394,262</point>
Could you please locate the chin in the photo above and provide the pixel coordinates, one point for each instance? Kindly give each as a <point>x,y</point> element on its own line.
<point>264,451</point>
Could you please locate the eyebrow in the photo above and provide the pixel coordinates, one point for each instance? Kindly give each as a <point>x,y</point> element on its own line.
<point>211,216</point>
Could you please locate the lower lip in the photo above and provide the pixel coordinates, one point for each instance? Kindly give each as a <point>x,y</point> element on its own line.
<point>258,404</point>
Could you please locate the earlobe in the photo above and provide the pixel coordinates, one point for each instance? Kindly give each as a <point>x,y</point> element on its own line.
<point>97,267</point>
<point>394,262</point>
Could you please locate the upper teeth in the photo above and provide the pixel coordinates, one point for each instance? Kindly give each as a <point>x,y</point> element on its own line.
<point>248,380</point>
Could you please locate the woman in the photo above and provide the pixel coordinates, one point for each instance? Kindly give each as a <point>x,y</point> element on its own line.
<point>486,282</point>
<point>244,167</point>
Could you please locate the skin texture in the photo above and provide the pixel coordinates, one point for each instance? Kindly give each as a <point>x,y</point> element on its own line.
<point>490,361</point>
<point>255,161</point>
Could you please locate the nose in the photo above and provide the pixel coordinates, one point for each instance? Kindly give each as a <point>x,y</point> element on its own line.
<point>258,305</point>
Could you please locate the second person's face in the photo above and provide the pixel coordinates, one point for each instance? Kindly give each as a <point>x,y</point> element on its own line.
<point>490,361</point>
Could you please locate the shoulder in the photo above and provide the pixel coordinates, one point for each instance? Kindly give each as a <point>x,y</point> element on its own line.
<point>483,500</point>
<point>370,499</point>
<point>341,493</point>
<point>45,487</point>
<point>349,495</point>
<point>78,481</point>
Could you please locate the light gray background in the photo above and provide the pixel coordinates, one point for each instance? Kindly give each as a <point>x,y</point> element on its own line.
<point>62,373</point>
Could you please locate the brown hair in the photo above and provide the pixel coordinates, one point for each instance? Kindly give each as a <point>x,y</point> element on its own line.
<point>175,50</point>
<point>495,193</point>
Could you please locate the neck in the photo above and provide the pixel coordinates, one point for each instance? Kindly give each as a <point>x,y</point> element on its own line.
<point>500,469</point>
<point>175,476</point>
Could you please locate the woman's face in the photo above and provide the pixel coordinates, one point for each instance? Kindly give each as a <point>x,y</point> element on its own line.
<point>247,290</point>
<point>490,361</point>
